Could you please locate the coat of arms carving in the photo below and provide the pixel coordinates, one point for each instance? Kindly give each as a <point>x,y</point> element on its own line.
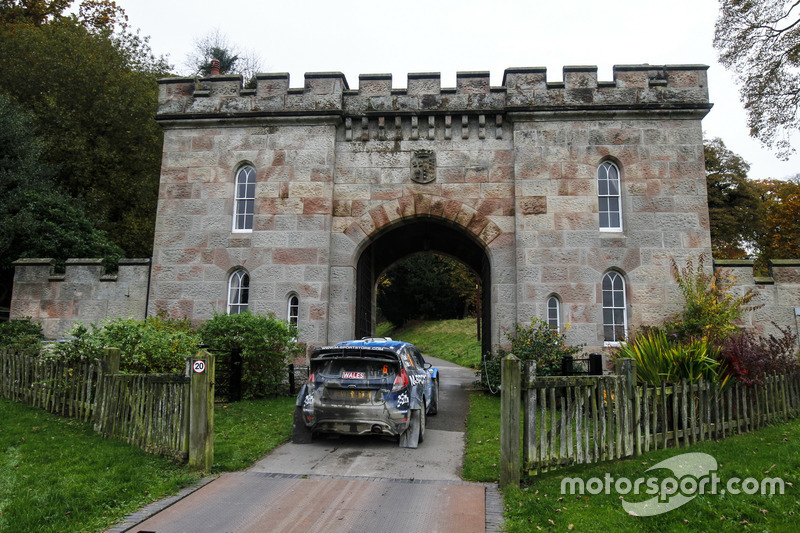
<point>423,166</point>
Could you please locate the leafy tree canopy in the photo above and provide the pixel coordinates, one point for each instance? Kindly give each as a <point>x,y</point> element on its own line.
<point>759,40</point>
<point>35,12</point>
<point>426,286</point>
<point>39,220</point>
<point>734,203</point>
<point>781,199</point>
<point>90,84</point>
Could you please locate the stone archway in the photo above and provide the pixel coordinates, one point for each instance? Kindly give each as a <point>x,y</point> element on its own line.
<point>421,223</point>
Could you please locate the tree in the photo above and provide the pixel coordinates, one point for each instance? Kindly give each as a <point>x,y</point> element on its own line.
<point>90,84</point>
<point>781,199</point>
<point>35,12</point>
<point>734,203</point>
<point>759,40</point>
<point>426,286</point>
<point>39,220</point>
<point>232,60</point>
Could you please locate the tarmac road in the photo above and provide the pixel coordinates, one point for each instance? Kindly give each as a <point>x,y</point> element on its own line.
<point>347,484</point>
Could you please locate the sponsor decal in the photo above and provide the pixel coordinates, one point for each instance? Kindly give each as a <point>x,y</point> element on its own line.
<point>352,375</point>
<point>402,399</point>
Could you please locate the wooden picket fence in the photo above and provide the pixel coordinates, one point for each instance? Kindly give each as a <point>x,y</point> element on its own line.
<point>571,420</point>
<point>146,410</point>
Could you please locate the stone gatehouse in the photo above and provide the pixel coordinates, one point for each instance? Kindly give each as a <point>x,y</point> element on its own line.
<point>569,199</point>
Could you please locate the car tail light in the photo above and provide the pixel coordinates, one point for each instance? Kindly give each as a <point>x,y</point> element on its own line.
<point>311,377</point>
<point>400,381</point>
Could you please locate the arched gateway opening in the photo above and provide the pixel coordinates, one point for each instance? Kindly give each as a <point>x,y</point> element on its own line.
<point>405,239</point>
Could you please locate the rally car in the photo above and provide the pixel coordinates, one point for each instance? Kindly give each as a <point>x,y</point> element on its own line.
<point>372,386</point>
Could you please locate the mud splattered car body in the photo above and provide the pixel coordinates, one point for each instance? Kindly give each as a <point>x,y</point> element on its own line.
<point>370,386</point>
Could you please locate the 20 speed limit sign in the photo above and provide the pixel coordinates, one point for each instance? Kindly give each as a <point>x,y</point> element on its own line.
<point>199,366</point>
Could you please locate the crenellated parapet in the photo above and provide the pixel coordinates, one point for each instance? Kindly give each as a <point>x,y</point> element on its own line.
<point>777,295</point>
<point>651,88</point>
<point>83,292</point>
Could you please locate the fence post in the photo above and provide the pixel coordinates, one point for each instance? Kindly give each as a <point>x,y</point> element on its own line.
<point>627,369</point>
<point>109,366</point>
<point>529,414</point>
<point>510,382</point>
<point>201,411</point>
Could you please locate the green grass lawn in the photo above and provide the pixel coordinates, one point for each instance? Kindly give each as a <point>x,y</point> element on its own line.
<point>57,474</point>
<point>452,340</point>
<point>539,504</point>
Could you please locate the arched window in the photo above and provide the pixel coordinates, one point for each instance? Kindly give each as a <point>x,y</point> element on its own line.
<point>608,195</point>
<point>238,292</point>
<point>554,313</point>
<point>615,317</point>
<point>245,199</point>
<point>293,310</point>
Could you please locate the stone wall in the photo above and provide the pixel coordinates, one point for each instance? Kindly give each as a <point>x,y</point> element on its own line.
<point>83,293</point>
<point>777,295</point>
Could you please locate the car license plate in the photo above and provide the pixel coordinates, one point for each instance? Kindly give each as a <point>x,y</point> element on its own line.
<point>353,375</point>
<point>350,395</point>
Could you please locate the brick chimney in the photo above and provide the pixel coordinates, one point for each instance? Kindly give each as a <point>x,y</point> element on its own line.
<point>215,67</point>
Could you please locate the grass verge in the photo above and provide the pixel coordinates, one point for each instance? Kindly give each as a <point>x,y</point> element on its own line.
<point>57,474</point>
<point>539,505</point>
<point>452,340</point>
<point>246,431</point>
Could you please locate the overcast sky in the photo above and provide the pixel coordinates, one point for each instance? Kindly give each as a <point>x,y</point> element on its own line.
<point>448,36</point>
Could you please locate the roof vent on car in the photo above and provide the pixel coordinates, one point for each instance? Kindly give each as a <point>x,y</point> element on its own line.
<point>376,339</point>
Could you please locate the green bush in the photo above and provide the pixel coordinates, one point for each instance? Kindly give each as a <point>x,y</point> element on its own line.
<point>661,358</point>
<point>21,335</point>
<point>154,345</point>
<point>710,310</point>
<point>536,342</point>
<point>83,342</point>
<point>266,343</point>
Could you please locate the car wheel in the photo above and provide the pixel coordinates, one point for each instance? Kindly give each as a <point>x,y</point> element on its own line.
<point>434,407</point>
<point>422,417</point>
<point>301,434</point>
<point>415,433</point>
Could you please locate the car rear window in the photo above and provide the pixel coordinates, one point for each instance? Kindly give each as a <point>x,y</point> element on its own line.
<point>351,368</point>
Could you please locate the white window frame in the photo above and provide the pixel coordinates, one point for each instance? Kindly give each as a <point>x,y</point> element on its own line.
<point>238,292</point>
<point>554,313</point>
<point>244,199</point>
<point>615,309</point>
<point>293,310</point>
<point>609,196</point>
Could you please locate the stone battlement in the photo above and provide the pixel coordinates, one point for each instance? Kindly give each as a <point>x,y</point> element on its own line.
<point>648,87</point>
<point>83,292</point>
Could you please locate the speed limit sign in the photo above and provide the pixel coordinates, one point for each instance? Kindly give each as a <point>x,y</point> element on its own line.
<point>199,366</point>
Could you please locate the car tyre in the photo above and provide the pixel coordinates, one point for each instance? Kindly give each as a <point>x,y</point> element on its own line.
<point>434,407</point>
<point>422,417</point>
<point>301,434</point>
<point>415,433</point>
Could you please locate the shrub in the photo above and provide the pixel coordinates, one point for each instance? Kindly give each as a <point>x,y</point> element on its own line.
<point>266,345</point>
<point>710,310</point>
<point>83,343</point>
<point>749,358</point>
<point>21,335</point>
<point>154,345</point>
<point>659,358</point>
<point>536,342</point>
